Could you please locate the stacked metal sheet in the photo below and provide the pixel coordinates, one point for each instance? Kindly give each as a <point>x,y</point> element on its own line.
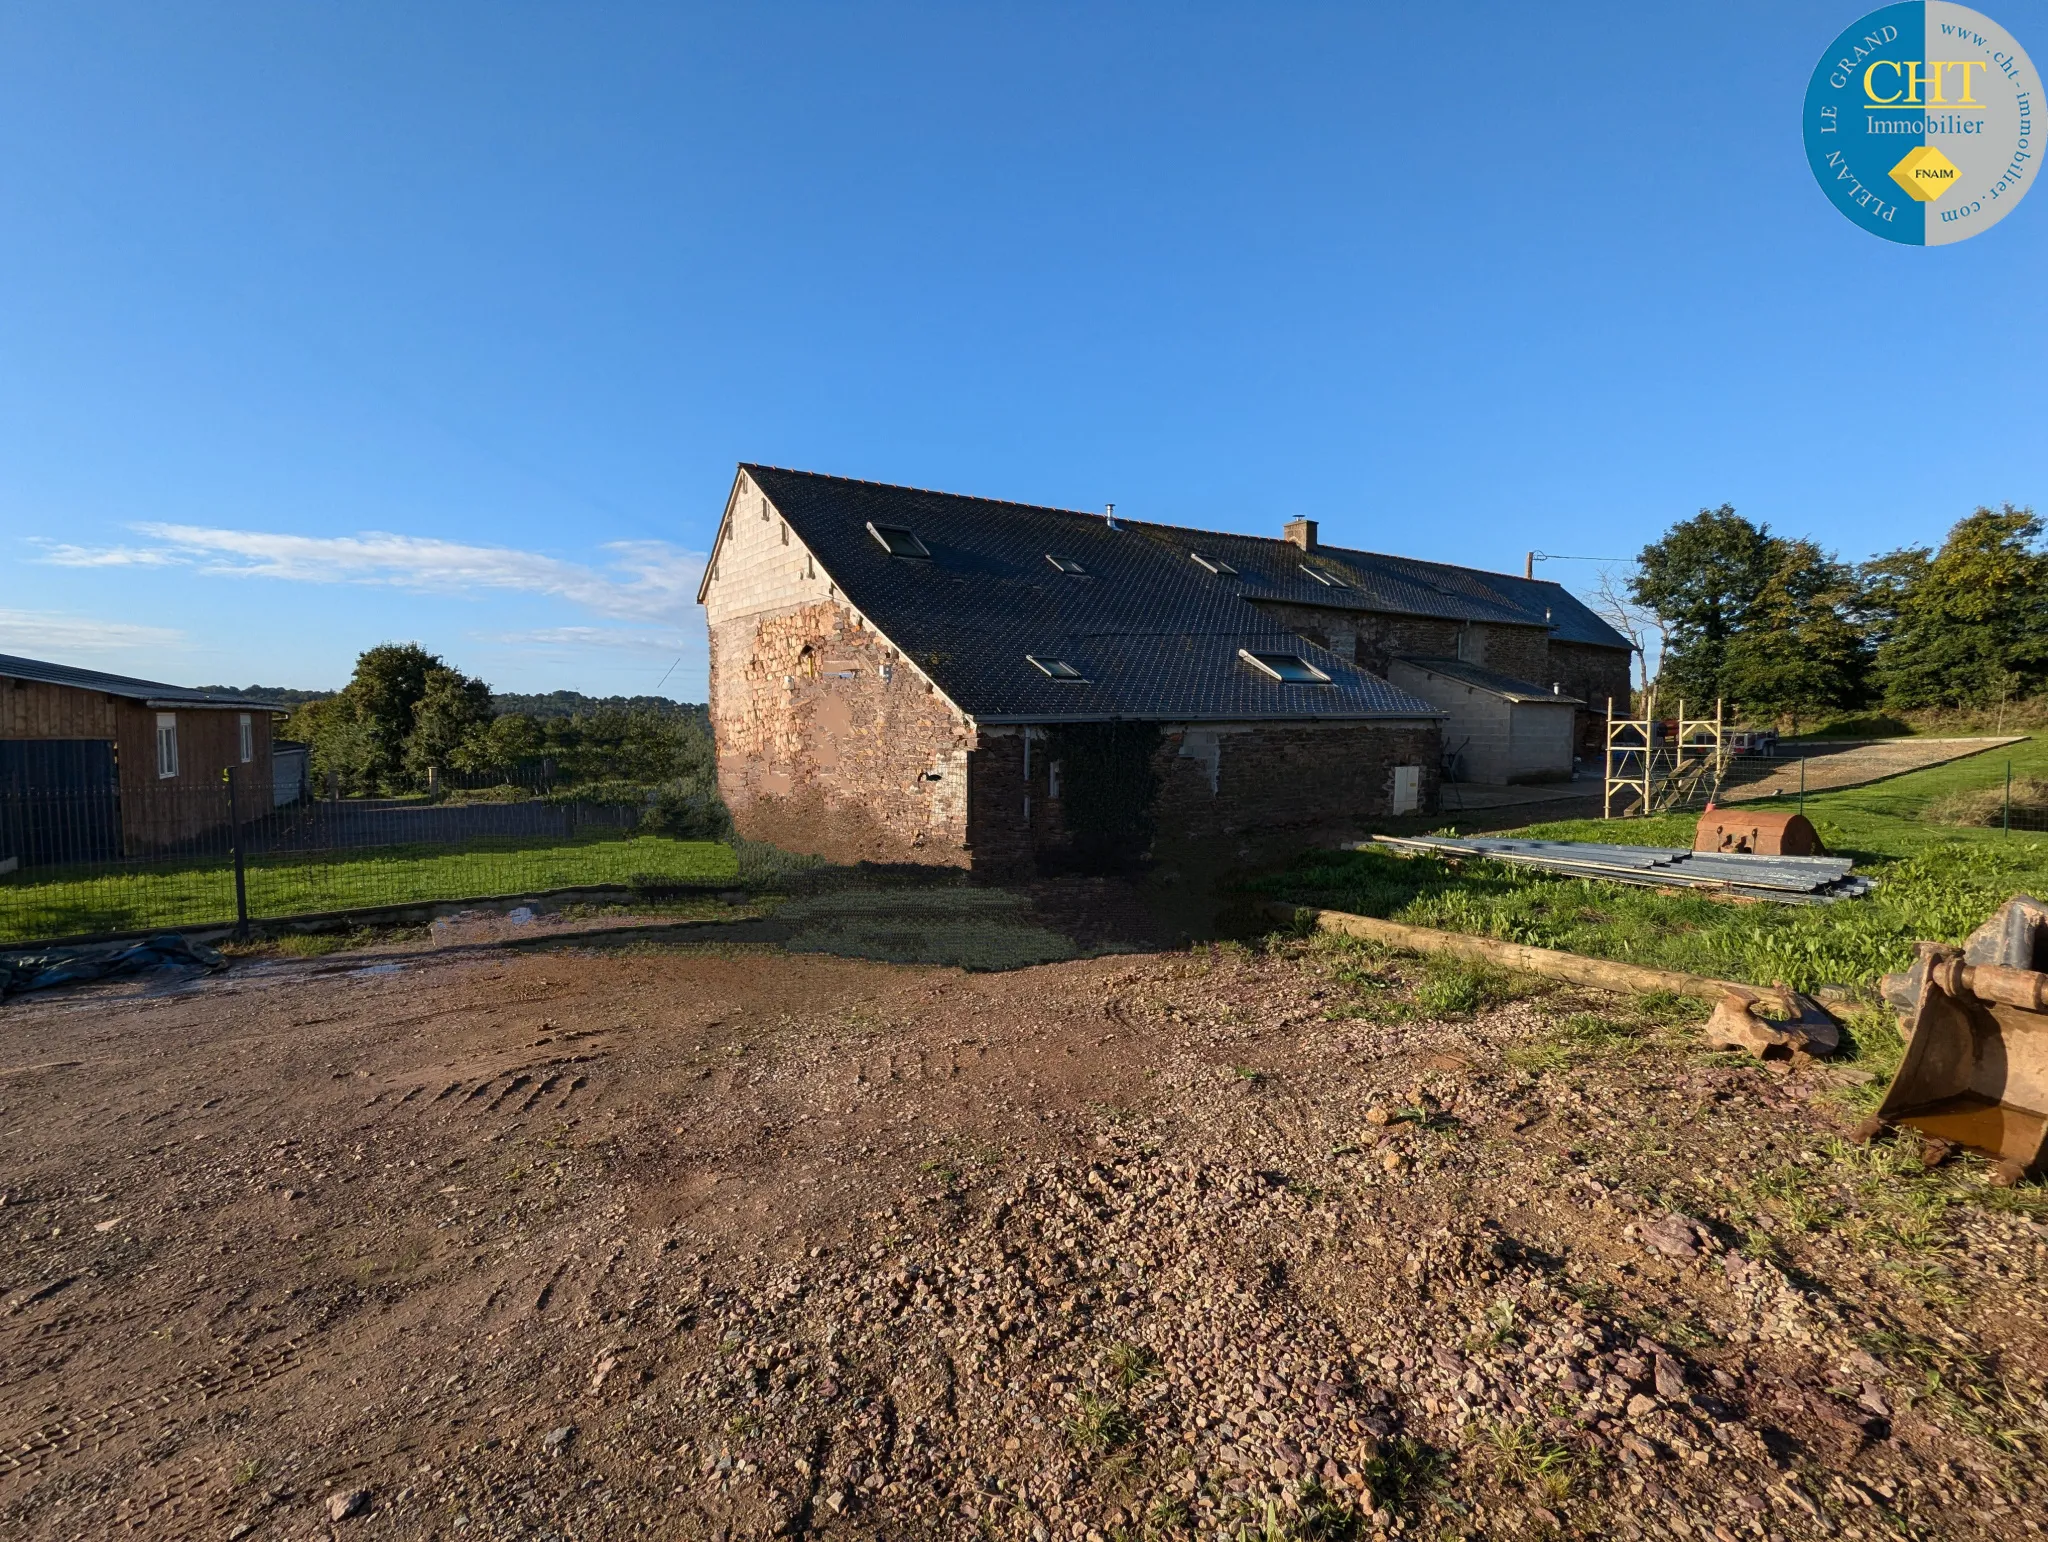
<point>1793,880</point>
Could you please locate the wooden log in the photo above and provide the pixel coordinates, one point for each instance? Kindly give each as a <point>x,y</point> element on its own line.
<point>1594,973</point>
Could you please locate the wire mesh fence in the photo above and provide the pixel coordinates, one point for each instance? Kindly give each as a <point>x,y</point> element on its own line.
<point>88,863</point>
<point>1988,795</point>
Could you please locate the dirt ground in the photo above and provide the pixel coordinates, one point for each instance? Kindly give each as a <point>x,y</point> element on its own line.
<point>1849,764</point>
<point>730,1241</point>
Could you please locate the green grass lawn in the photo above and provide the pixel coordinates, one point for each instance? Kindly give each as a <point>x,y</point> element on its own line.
<point>54,904</point>
<point>1934,881</point>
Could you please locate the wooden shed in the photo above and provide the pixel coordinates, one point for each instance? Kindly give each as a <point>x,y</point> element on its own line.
<point>94,766</point>
<point>1499,729</point>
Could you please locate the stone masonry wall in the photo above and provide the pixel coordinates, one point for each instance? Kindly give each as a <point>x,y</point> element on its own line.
<point>1229,793</point>
<point>829,744</point>
<point>1369,639</point>
<point>828,741</point>
<point>1372,639</point>
<point>1521,651</point>
<point>1593,675</point>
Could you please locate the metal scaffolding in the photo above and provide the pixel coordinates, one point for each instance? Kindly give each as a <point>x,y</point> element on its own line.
<point>1654,765</point>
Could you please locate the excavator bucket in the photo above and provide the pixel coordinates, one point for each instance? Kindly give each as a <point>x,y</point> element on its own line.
<point>1976,1025</point>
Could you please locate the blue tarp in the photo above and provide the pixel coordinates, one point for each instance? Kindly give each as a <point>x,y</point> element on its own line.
<point>69,966</point>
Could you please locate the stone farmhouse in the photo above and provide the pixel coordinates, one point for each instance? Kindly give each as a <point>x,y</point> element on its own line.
<point>908,676</point>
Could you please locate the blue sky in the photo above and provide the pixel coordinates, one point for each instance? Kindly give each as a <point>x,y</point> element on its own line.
<point>325,325</point>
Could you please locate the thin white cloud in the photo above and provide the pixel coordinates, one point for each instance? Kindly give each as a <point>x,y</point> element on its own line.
<point>42,633</point>
<point>648,581</point>
<point>64,555</point>
<point>620,638</point>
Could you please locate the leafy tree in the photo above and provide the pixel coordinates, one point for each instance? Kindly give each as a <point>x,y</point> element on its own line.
<point>1966,625</point>
<point>363,736</point>
<point>1798,650</point>
<point>452,707</point>
<point>339,742</point>
<point>628,745</point>
<point>499,747</point>
<point>388,682</point>
<point>1702,580</point>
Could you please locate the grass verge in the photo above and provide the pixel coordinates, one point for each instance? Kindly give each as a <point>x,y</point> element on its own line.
<point>1934,882</point>
<point>171,894</point>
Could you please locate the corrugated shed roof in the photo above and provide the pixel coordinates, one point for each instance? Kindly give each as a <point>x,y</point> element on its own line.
<point>1492,680</point>
<point>124,685</point>
<point>1154,636</point>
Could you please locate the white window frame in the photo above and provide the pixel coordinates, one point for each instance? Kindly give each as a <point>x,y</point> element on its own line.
<point>911,547</point>
<point>1258,662</point>
<point>1048,665</point>
<point>247,729</point>
<point>166,745</point>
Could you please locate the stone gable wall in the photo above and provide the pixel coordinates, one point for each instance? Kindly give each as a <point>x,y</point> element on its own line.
<point>828,742</point>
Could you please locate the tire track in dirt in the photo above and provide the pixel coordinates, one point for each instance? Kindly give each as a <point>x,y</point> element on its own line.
<point>68,1434</point>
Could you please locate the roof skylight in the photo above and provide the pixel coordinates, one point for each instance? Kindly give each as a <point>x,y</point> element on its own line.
<point>898,540</point>
<point>1066,564</point>
<point>1059,669</point>
<point>1287,668</point>
<point>1214,564</point>
<point>1327,579</point>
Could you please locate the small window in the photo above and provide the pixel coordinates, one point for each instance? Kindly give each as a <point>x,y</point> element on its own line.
<point>1214,564</point>
<point>898,541</point>
<point>1327,580</point>
<point>1287,668</point>
<point>167,744</point>
<point>1066,564</point>
<point>1059,669</point>
<point>248,728</point>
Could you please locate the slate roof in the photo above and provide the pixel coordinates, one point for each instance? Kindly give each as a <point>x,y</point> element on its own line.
<point>1156,635</point>
<point>1493,681</point>
<point>125,686</point>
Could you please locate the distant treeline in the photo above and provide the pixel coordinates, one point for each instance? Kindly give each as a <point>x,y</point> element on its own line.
<point>553,704</point>
<point>576,704</point>
<point>283,695</point>
<point>1784,629</point>
<point>407,721</point>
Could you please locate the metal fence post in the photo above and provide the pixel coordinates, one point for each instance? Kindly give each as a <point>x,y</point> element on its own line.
<point>2008,799</point>
<point>1802,781</point>
<point>227,775</point>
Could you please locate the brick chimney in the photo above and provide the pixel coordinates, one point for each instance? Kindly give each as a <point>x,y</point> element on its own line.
<point>1302,532</point>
